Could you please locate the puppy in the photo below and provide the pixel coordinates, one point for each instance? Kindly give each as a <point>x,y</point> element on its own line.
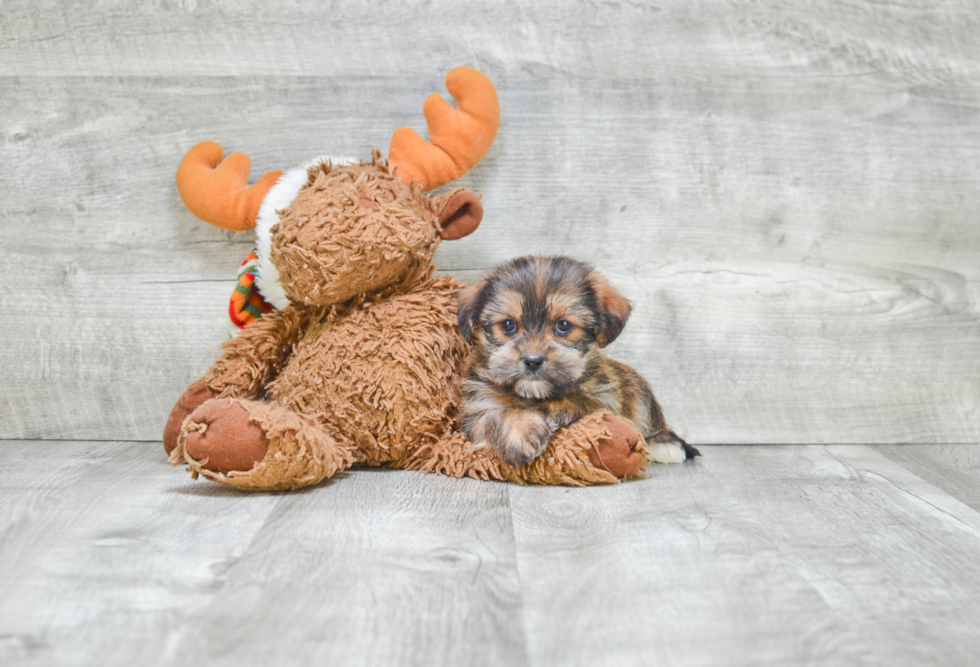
<point>538,324</point>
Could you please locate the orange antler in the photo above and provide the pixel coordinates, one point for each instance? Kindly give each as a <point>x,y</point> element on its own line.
<point>458,138</point>
<point>217,190</point>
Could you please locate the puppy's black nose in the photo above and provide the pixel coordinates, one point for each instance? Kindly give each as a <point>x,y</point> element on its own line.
<point>533,360</point>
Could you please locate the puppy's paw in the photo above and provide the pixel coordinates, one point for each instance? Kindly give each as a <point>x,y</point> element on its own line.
<point>617,454</point>
<point>522,437</point>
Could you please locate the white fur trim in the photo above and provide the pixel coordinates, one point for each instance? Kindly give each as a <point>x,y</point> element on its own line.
<point>279,197</point>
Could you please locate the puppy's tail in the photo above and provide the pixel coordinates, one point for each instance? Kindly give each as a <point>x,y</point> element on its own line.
<point>669,437</point>
<point>690,451</point>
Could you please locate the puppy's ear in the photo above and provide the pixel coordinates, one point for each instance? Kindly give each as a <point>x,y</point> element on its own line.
<point>613,309</point>
<point>468,307</point>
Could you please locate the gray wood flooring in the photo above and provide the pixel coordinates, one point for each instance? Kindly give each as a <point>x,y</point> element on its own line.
<point>754,555</point>
<point>788,192</point>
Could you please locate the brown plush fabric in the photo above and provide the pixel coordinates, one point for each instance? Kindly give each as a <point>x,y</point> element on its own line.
<point>368,377</point>
<point>620,453</point>
<point>329,247</point>
<point>251,360</point>
<point>221,434</point>
<point>195,394</point>
<point>567,459</point>
<point>299,452</point>
<point>461,215</point>
<point>374,381</point>
<point>377,371</point>
<point>364,366</point>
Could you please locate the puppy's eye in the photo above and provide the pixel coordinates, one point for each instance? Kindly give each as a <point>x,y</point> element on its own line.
<point>563,327</point>
<point>509,327</point>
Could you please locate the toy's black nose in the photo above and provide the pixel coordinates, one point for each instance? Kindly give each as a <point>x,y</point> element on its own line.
<point>533,361</point>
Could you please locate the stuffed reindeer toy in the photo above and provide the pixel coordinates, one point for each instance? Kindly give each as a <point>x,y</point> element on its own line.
<point>352,353</point>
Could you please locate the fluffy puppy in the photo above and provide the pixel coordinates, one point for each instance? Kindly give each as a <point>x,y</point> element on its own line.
<point>538,324</point>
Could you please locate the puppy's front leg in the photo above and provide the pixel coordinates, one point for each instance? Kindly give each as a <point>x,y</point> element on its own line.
<point>562,417</point>
<point>518,435</point>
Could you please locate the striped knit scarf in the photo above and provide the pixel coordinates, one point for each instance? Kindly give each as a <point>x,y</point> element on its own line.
<point>247,304</point>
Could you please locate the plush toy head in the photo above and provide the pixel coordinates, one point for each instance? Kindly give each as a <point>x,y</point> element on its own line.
<point>358,228</point>
<point>327,232</point>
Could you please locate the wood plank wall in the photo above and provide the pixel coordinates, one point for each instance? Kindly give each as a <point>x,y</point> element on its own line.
<point>789,196</point>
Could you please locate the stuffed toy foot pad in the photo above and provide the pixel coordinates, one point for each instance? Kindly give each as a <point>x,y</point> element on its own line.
<point>256,446</point>
<point>622,452</point>
<point>193,397</point>
<point>221,435</point>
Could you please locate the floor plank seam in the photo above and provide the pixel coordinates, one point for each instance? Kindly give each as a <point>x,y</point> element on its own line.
<point>517,572</point>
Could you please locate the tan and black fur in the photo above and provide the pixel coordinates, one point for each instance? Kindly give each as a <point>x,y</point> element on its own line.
<point>538,324</point>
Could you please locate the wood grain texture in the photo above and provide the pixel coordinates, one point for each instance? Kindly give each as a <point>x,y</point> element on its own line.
<point>105,550</point>
<point>920,41</point>
<point>109,556</point>
<point>789,197</point>
<point>379,568</point>
<point>953,468</point>
<point>752,555</point>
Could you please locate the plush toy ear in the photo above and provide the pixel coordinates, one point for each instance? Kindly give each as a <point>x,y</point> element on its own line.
<point>613,308</point>
<point>468,307</point>
<point>460,216</point>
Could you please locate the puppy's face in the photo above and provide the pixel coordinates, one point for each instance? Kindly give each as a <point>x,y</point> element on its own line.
<point>537,321</point>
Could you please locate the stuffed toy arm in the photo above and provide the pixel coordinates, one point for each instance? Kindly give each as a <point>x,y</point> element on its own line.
<point>245,366</point>
<point>252,359</point>
<point>598,449</point>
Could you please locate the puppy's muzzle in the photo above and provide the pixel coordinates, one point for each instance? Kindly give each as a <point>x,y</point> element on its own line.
<point>533,361</point>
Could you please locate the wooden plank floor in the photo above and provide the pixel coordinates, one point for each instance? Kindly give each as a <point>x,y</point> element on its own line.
<point>753,555</point>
